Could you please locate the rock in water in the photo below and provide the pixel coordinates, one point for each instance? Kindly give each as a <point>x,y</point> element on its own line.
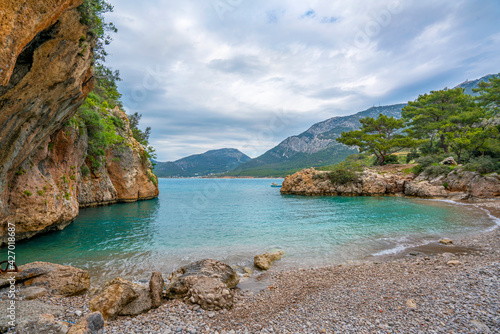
<point>264,261</point>
<point>112,297</point>
<point>207,283</point>
<point>156,286</point>
<point>57,279</point>
<point>446,241</point>
<point>91,324</point>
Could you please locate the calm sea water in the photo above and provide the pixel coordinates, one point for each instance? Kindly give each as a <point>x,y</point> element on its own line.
<point>234,219</point>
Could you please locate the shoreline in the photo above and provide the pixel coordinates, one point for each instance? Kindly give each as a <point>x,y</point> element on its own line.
<point>430,288</point>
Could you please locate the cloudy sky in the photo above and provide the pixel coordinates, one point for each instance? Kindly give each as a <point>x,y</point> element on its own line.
<point>208,74</point>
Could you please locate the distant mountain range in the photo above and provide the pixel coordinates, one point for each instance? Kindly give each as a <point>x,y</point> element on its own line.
<point>317,146</point>
<point>211,162</point>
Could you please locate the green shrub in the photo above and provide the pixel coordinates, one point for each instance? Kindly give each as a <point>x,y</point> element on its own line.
<point>20,171</point>
<point>27,193</point>
<point>318,176</point>
<point>67,196</point>
<point>391,159</point>
<point>445,185</point>
<point>84,170</point>
<point>41,192</point>
<point>342,176</point>
<point>436,170</point>
<point>483,165</point>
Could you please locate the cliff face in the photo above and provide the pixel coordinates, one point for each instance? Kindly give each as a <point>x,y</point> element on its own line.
<point>396,180</point>
<point>49,187</point>
<point>45,76</point>
<point>126,175</point>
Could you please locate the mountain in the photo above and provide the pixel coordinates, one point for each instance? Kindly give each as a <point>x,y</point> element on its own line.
<point>211,162</point>
<point>317,146</point>
<point>473,84</point>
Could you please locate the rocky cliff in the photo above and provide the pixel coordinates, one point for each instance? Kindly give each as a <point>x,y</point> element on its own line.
<point>46,57</point>
<point>396,180</point>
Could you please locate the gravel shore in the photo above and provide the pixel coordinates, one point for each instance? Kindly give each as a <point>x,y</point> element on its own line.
<point>432,289</point>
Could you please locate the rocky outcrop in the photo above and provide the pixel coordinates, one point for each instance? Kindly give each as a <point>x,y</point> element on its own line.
<point>48,189</point>
<point>396,180</point>
<point>45,75</point>
<point>54,278</point>
<point>264,261</point>
<point>125,175</point>
<point>207,283</point>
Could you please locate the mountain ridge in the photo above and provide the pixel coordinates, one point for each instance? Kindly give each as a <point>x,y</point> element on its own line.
<point>317,145</point>
<point>211,162</point>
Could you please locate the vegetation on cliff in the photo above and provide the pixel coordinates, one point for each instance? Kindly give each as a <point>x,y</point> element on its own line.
<point>95,114</point>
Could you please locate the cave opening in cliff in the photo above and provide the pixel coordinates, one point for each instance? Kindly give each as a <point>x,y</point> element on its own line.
<point>25,60</point>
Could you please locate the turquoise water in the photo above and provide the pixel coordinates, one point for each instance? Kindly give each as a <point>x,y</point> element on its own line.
<point>234,219</point>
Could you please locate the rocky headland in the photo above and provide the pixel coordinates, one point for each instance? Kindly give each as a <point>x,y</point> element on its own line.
<point>46,72</point>
<point>396,180</point>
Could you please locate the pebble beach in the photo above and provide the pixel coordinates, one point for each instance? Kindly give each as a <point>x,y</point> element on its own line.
<point>430,289</point>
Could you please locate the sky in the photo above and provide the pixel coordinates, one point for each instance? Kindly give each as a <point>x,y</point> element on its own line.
<point>210,74</point>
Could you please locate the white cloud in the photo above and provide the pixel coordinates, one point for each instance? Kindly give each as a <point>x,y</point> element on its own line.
<point>206,81</point>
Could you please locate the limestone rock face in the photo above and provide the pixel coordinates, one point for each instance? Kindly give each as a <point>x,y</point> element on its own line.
<point>206,282</point>
<point>43,194</point>
<point>396,180</point>
<point>45,75</point>
<point>264,261</point>
<point>56,279</point>
<point>126,175</point>
<point>90,324</point>
<point>110,299</point>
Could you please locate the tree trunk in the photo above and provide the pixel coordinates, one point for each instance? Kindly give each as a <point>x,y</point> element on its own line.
<point>443,145</point>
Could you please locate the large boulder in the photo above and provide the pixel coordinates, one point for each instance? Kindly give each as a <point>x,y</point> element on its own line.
<point>90,324</point>
<point>264,261</point>
<point>112,297</point>
<point>156,287</point>
<point>27,313</point>
<point>141,304</point>
<point>55,278</point>
<point>122,297</point>
<point>206,282</point>
<point>45,324</point>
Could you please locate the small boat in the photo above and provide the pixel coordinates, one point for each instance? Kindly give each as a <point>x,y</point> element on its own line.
<point>274,184</point>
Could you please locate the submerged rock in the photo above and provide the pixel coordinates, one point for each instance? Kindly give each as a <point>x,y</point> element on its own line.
<point>264,261</point>
<point>207,283</point>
